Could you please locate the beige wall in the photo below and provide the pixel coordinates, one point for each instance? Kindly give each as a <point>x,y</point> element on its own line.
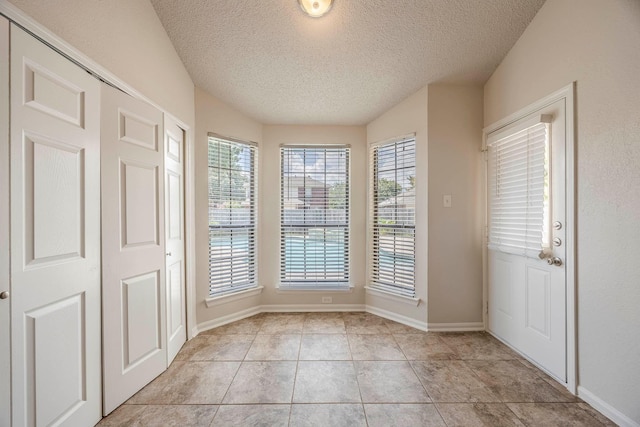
<point>409,116</point>
<point>455,234</point>
<point>269,261</point>
<point>215,116</point>
<point>597,44</point>
<point>127,38</point>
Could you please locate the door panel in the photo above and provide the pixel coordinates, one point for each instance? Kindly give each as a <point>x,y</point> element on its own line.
<point>175,261</point>
<point>133,270</point>
<point>55,238</point>
<point>5,315</point>
<point>527,296</point>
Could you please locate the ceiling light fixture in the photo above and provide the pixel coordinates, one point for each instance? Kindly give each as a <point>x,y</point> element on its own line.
<point>315,8</point>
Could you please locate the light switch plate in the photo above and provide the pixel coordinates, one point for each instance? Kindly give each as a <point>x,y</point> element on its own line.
<point>446,200</point>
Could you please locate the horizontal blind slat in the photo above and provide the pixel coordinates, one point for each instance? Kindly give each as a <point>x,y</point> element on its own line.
<point>232,215</point>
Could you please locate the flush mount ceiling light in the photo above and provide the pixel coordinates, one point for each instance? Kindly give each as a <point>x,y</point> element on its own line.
<point>315,8</point>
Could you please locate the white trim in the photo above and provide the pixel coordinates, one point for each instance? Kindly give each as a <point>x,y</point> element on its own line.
<point>310,308</point>
<point>455,327</point>
<point>564,92</point>
<point>301,290</point>
<point>413,301</point>
<point>567,94</point>
<point>220,321</point>
<point>397,317</point>
<point>606,409</point>
<point>225,299</point>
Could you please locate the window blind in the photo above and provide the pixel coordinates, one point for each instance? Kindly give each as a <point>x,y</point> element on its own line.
<point>314,216</point>
<point>518,184</point>
<point>232,215</point>
<point>392,216</point>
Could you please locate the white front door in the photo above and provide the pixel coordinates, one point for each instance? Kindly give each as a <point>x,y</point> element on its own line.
<point>133,246</point>
<point>174,235</point>
<point>55,238</point>
<point>526,243</point>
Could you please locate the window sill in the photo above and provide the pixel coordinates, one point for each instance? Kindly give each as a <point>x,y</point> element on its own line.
<point>391,296</point>
<point>224,299</point>
<point>310,290</point>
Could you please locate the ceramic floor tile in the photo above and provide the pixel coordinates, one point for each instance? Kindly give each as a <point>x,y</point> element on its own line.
<point>282,324</point>
<point>249,326</point>
<point>554,414</point>
<point>473,378</point>
<point>403,415</point>
<point>190,347</point>
<point>153,392</point>
<point>452,381</point>
<point>125,415</point>
<point>324,347</point>
<point>262,382</point>
<point>389,382</point>
<point>252,416</point>
<point>424,347</point>
<point>399,328</point>
<point>478,415</point>
<point>513,382</point>
<point>566,395</point>
<point>274,347</point>
<point>597,415</point>
<point>374,347</point>
<point>477,346</point>
<point>364,323</point>
<point>178,415</point>
<point>203,383</point>
<point>222,347</point>
<point>326,382</point>
<point>338,415</point>
<point>320,325</point>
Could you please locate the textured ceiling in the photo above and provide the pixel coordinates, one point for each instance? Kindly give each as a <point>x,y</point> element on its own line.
<point>279,66</point>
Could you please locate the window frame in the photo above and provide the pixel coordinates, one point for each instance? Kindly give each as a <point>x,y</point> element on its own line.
<point>246,288</point>
<point>376,285</point>
<point>311,284</point>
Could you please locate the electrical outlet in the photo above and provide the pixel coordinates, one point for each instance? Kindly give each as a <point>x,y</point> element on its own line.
<point>327,300</point>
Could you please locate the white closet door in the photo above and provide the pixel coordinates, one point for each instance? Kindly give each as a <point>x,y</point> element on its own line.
<point>133,246</point>
<point>5,329</point>
<point>55,238</point>
<point>174,218</point>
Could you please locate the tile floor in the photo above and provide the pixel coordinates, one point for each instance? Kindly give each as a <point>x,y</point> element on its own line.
<point>349,369</point>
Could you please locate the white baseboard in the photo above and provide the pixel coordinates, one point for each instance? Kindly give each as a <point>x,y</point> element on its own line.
<point>606,409</point>
<point>210,324</point>
<point>397,317</point>
<point>306,308</point>
<point>455,327</point>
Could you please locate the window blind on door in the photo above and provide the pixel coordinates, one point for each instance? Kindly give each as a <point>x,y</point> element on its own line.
<point>519,190</point>
<point>232,215</point>
<point>314,216</point>
<point>392,216</point>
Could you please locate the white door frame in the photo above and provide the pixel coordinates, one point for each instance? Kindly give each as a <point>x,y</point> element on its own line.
<point>567,94</point>
<point>17,16</point>
<point>5,278</point>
